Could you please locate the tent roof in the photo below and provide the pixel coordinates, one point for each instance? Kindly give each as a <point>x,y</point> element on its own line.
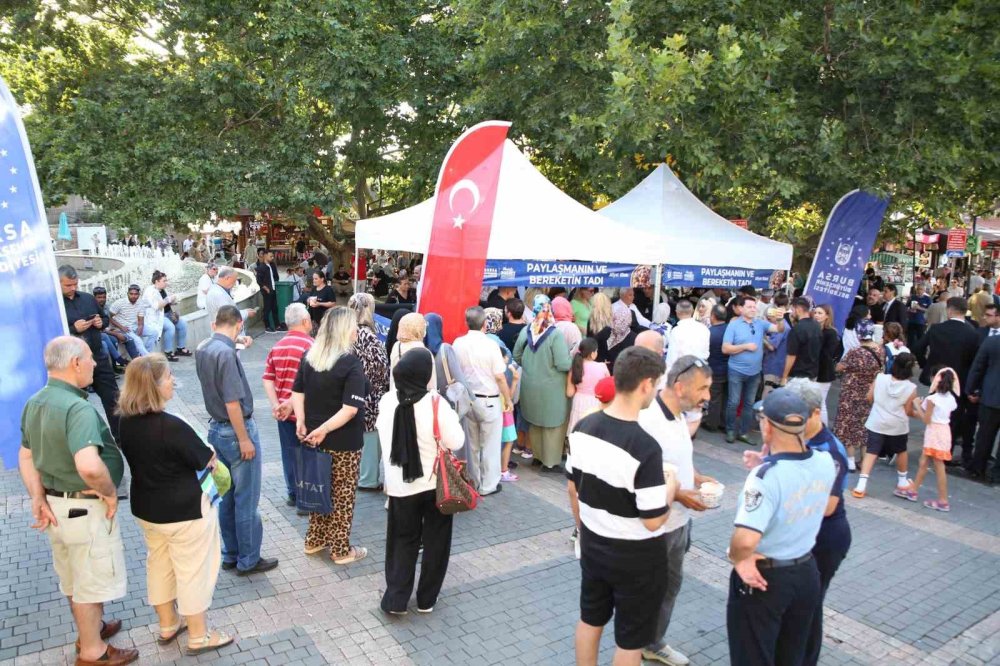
<point>688,232</point>
<point>533,219</point>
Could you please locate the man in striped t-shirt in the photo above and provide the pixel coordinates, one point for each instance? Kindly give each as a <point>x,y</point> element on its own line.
<point>280,369</point>
<point>620,499</point>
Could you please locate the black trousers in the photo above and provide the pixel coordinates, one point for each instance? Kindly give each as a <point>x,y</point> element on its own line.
<point>989,426</point>
<point>414,520</point>
<point>107,389</point>
<point>270,309</point>
<point>963,427</point>
<point>716,418</point>
<point>771,628</point>
<point>828,559</point>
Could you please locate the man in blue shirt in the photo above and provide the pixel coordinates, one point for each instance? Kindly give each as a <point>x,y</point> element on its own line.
<point>774,589</point>
<point>743,342</point>
<point>919,302</point>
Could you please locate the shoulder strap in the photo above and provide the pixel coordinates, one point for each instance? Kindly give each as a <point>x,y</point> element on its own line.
<point>874,355</point>
<point>449,380</point>
<point>437,426</point>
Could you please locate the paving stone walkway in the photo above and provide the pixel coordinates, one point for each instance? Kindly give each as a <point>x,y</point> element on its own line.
<point>916,588</point>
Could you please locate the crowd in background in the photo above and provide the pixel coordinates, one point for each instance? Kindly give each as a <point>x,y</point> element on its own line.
<point>603,386</point>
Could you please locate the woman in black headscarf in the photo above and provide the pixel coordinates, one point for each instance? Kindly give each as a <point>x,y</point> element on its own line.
<point>406,421</point>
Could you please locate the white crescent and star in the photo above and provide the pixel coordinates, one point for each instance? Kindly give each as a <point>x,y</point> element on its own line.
<point>473,189</point>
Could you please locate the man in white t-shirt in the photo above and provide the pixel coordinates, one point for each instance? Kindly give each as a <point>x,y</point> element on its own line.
<point>688,337</point>
<point>484,368</point>
<point>205,283</point>
<point>688,386</point>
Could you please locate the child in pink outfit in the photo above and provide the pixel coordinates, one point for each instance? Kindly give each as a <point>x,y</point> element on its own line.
<point>935,411</point>
<point>582,379</point>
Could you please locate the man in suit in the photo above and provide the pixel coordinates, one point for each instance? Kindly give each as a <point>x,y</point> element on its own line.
<point>895,309</point>
<point>952,344</point>
<point>991,323</point>
<point>984,389</point>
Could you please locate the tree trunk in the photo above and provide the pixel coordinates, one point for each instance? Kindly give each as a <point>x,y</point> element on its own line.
<point>322,234</point>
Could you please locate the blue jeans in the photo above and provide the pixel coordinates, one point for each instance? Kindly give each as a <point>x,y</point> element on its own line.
<point>172,331</point>
<point>741,387</point>
<point>111,347</point>
<point>239,520</point>
<point>289,440</point>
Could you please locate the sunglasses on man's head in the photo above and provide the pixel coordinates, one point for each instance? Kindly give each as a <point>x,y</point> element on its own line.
<point>696,363</point>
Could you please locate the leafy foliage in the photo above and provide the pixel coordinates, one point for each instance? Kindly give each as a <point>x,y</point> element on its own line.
<point>161,110</point>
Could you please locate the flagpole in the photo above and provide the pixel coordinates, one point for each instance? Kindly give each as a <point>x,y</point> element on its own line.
<point>355,268</point>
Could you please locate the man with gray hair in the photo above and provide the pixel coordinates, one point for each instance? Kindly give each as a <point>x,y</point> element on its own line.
<point>220,294</point>
<point>280,369</point>
<point>689,337</point>
<point>71,467</point>
<point>834,537</point>
<point>687,386</point>
<point>232,432</point>
<point>484,368</point>
<point>626,301</point>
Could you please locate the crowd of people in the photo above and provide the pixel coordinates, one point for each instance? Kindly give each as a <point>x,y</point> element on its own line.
<point>607,388</point>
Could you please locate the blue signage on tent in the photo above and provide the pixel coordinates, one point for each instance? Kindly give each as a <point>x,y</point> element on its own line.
<point>31,307</point>
<point>723,277</point>
<point>843,250</point>
<point>532,273</point>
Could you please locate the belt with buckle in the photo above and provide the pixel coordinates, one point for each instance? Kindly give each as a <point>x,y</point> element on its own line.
<point>771,563</point>
<point>74,495</point>
<point>480,395</point>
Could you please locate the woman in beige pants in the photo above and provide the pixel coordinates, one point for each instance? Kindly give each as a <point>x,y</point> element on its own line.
<point>174,501</point>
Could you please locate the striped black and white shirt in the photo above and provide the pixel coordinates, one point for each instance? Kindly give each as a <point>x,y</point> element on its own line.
<point>617,468</point>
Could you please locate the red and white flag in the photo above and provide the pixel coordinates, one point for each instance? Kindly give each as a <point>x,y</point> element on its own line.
<point>452,275</point>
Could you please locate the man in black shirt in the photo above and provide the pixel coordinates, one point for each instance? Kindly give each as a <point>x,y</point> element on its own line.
<point>267,278</point>
<point>804,343</point>
<point>513,322</point>
<point>498,297</point>
<point>86,322</point>
<point>342,281</point>
<point>876,306</point>
<point>894,309</point>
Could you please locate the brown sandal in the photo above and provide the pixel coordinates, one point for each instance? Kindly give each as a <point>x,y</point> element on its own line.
<point>174,632</point>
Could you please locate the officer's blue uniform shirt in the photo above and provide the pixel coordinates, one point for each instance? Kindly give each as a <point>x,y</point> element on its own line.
<point>826,441</point>
<point>784,499</point>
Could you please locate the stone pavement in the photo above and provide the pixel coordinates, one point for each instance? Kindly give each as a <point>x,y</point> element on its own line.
<point>916,588</point>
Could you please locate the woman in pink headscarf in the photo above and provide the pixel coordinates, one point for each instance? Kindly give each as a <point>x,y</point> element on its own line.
<point>563,313</point>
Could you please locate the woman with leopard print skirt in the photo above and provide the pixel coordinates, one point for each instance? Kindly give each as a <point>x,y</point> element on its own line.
<point>329,401</point>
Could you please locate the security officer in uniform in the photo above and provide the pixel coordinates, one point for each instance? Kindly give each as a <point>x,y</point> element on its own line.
<point>774,589</point>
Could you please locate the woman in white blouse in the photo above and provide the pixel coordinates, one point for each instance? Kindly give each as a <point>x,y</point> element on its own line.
<point>162,319</point>
<point>406,421</point>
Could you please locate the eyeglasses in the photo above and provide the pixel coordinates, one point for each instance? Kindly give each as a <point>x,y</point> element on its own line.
<point>695,363</point>
<point>753,331</point>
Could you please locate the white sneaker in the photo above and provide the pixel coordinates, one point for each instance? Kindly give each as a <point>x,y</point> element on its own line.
<point>667,655</point>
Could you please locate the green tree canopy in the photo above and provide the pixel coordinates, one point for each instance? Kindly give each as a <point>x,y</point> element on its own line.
<point>160,111</point>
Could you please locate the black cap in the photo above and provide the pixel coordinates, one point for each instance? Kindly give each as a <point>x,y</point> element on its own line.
<point>99,290</point>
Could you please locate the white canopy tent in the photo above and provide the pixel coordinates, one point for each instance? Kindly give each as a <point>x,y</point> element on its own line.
<point>533,219</point>
<point>690,233</point>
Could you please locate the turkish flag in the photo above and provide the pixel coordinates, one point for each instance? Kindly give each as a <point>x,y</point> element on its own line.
<point>452,275</point>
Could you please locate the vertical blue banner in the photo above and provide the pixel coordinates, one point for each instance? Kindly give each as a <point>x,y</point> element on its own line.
<point>31,307</point>
<point>843,250</point>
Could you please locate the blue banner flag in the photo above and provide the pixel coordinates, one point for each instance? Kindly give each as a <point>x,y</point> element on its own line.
<point>31,307</point>
<point>381,327</point>
<point>846,244</point>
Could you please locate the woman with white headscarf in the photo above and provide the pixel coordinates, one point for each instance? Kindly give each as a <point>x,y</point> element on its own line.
<point>661,322</point>
<point>542,353</point>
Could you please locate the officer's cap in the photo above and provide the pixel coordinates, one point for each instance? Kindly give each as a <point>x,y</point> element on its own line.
<point>784,409</point>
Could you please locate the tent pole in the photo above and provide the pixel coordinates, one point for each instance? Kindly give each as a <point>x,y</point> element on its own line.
<point>355,269</point>
<point>656,290</point>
